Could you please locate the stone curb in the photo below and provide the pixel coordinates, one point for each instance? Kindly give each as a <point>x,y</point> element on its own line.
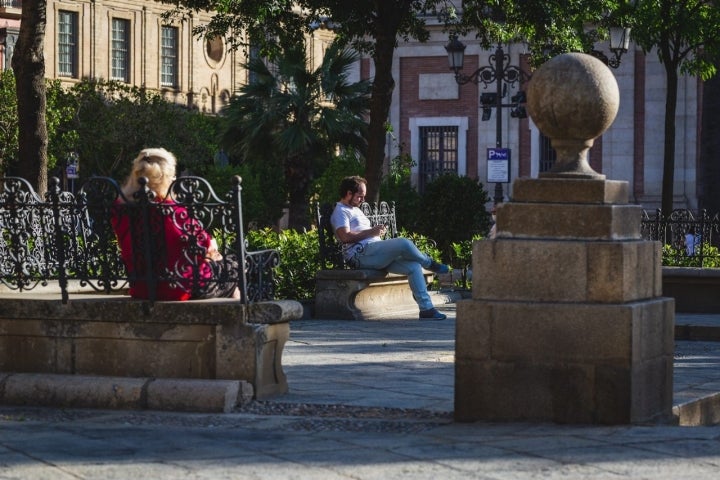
<point>704,333</point>
<point>440,298</point>
<point>82,391</point>
<point>704,411</point>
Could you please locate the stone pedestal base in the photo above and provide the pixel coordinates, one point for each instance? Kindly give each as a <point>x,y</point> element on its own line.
<point>566,322</point>
<point>566,363</point>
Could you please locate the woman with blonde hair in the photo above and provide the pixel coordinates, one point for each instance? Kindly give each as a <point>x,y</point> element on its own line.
<point>194,276</point>
<point>158,166</point>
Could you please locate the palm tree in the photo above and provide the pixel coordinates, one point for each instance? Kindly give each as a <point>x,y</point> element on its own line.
<point>298,118</point>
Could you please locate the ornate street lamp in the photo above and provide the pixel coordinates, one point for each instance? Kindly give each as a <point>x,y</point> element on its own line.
<point>619,45</point>
<point>501,73</point>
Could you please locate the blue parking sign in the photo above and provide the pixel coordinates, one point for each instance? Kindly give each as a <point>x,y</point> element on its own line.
<point>71,171</point>
<point>498,165</point>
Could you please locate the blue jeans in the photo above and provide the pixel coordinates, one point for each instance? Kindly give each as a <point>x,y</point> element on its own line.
<point>401,256</point>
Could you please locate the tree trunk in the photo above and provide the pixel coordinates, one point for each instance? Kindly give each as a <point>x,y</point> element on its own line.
<point>382,89</point>
<point>709,168</point>
<point>387,25</point>
<point>668,181</point>
<point>299,178</point>
<point>28,62</point>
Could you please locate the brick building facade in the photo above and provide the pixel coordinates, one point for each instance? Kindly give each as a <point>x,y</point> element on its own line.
<point>440,122</point>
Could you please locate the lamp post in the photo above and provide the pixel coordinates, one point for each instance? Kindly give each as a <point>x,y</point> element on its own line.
<point>498,72</point>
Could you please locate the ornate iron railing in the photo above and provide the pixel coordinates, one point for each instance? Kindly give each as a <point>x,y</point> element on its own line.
<point>689,238</point>
<point>64,237</point>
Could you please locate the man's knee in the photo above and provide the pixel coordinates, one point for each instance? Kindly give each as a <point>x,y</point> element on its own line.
<point>403,243</point>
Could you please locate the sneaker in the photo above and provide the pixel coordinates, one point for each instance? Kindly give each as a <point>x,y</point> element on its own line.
<point>438,267</point>
<point>432,314</point>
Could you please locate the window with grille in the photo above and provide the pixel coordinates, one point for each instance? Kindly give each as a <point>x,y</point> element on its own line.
<point>547,154</point>
<point>169,57</point>
<point>120,50</point>
<point>67,46</point>
<point>438,153</point>
<point>253,55</point>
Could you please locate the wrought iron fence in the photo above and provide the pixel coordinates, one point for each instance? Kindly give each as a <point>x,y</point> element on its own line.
<point>64,237</point>
<point>689,239</point>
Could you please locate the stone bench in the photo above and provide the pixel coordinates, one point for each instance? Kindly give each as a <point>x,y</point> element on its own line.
<point>117,336</point>
<point>695,289</point>
<point>344,293</point>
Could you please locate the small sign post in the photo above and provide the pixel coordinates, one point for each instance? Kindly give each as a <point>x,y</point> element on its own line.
<point>72,169</point>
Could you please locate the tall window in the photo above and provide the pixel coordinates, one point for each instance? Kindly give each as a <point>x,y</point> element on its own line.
<point>438,153</point>
<point>254,53</point>
<point>169,57</point>
<point>547,154</point>
<point>120,50</point>
<point>67,46</point>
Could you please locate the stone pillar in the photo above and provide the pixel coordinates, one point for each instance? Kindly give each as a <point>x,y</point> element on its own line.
<point>566,321</point>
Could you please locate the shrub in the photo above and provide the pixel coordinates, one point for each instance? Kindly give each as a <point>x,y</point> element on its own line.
<point>678,257</point>
<point>299,258</point>
<point>452,210</point>
<point>114,121</point>
<point>396,187</point>
<point>462,258</point>
<point>295,276</point>
<point>262,196</point>
<point>425,245</point>
<point>325,188</point>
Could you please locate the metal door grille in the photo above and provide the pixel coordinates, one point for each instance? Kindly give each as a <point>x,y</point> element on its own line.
<point>438,153</point>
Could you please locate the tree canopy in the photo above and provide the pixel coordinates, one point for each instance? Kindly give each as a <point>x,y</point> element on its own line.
<point>371,26</point>
<point>683,34</point>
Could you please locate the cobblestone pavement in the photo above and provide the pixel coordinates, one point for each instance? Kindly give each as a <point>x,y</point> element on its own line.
<point>368,400</point>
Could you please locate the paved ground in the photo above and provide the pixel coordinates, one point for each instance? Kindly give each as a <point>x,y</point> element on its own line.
<point>369,400</point>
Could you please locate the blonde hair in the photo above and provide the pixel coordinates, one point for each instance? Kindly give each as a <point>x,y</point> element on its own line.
<point>155,164</point>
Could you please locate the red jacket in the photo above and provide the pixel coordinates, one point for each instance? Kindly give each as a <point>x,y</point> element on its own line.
<point>179,231</point>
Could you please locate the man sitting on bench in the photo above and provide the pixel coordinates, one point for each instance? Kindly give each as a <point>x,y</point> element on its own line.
<point>363,246</point>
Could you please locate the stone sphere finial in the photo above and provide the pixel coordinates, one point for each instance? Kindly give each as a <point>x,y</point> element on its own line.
<point>573,98</point>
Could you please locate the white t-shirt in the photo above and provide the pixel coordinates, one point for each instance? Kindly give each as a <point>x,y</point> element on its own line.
<point>355,220</point>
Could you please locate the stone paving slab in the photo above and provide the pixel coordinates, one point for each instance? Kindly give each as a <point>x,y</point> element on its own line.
<point>411,364</point>
<point>386,417</point>
<point>42,444</point>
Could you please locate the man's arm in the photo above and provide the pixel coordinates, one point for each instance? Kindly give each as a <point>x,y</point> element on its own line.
<point>346,236</point>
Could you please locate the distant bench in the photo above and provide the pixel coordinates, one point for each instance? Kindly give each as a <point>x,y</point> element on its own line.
<point>695,289</point>
<point>345,293</point>
<point>64,307</point>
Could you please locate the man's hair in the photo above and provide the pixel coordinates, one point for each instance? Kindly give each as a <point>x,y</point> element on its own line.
<point>351,184</point>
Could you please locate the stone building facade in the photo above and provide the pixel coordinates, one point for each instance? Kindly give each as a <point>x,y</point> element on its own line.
<point>129,41</point>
